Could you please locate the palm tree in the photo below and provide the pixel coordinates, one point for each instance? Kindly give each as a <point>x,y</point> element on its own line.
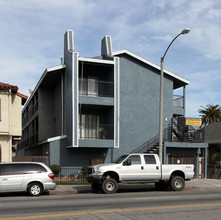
<point>210,114</point>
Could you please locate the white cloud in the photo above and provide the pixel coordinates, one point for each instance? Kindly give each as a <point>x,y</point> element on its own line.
<point>32,38</point>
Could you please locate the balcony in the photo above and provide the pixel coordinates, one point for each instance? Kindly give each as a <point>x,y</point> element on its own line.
<point>94,87</point>
<point>186,133</point>
<point>96,131</point>
<point>178,101</point>
<point>178,105</point>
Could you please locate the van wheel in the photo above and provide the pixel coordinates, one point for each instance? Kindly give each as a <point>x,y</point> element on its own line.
<point>109,186</point>
<point>35,189</point>
<point>177,183</point>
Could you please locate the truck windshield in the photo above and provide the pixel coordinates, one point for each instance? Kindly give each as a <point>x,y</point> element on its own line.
<point>120,159</point>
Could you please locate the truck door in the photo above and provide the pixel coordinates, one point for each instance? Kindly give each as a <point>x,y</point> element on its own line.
<point>132,169</point>
<point>152,170</point>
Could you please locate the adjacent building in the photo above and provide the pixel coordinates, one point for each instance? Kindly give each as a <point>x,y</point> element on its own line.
<point>96,109</point>
<point>11,102</point>
<point>213,138</point>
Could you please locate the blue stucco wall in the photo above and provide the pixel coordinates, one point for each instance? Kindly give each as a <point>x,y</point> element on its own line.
<point>136,109</point>
<point>139,90</point>
<point>73,156</point>
<point>139,104</point>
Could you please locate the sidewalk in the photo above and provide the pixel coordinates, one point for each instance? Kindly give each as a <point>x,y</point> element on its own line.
<point>204,183</point>
<point>195,184</point>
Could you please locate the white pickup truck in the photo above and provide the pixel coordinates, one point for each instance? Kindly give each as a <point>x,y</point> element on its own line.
<point>139,168</point>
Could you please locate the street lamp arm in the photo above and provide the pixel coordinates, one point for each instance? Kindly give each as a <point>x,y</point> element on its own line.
<point>184,31</point>
<point>162,58</point>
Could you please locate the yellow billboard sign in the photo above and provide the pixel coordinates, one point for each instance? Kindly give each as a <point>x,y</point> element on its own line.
<point>194,121</point>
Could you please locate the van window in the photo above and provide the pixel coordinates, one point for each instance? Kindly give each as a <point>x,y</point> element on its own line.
<point>34,168</point>
<point>12,169</point>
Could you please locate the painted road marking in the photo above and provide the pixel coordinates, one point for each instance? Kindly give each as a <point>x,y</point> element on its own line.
<point>109,211</point>
<point>157,198</point>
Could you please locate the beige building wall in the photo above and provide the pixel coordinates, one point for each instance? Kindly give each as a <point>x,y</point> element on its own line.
<point>10,123</point>
<point>6,148</point>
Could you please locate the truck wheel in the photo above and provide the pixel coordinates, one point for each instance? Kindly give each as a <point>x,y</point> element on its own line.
<point>95,187</point>
<point>177,183</point>
<point>109,186</point>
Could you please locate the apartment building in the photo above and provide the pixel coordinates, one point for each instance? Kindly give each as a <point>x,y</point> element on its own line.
<point>89,109</point>
<point>11,102</point>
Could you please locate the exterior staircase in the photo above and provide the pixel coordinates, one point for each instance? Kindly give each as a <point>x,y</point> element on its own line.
<point>178,132</point>
<point>152,145</point>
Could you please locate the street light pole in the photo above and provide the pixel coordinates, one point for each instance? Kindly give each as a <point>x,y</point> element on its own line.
<point>184,31</point>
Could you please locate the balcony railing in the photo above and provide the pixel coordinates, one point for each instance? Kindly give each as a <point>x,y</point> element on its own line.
<point>178,101</point>
<point>186,133</point>
<point>92,87</point>
<point>96,131</point>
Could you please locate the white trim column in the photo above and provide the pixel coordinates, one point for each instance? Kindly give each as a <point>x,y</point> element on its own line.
<point>75,100</point>
<point>116,102</point>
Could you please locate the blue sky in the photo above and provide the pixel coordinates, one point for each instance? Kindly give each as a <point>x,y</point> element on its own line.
<point>32,34</point>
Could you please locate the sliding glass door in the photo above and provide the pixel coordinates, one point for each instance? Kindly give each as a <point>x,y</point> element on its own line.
<point>89,126</point>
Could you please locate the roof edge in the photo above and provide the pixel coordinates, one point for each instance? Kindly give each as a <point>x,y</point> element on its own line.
<point>23,97</point>
<point>49,69</point>
<point>150,64</point>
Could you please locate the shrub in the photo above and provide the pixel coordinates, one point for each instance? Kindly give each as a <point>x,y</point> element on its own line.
<point>56,169</point>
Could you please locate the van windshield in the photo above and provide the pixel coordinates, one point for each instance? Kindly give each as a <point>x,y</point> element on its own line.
<point>120,159</point>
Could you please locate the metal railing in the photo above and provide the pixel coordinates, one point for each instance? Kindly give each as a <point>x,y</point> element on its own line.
<point>178,101</point>
<point>214,171</point>
<point>186,133</point>
<point>96,131</point>
<point>167,136</point>
<point>70,175</point>
<point>98,88</point>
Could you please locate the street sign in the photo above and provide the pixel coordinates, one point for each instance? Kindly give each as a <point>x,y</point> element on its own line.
<point>194,121</point>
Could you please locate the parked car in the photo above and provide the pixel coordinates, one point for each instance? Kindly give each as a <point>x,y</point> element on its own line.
<point>31,177</point>
<point>139,168</point>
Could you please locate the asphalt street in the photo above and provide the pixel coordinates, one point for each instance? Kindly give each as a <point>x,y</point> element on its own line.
<point>195,184</point>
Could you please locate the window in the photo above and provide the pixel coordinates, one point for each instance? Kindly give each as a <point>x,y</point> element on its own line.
<point>92,86</point>
<point>16,169</point>
<point>34,168</point>
<point>88,86</point>
<point>135,159</point>
<point>11,169</point>
<point>150,159</point>
<point>89,126</point>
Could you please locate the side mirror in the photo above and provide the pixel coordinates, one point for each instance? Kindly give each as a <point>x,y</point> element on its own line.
<point>127,162</point>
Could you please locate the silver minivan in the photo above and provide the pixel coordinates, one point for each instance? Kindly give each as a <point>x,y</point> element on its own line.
<point>31,177</point>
